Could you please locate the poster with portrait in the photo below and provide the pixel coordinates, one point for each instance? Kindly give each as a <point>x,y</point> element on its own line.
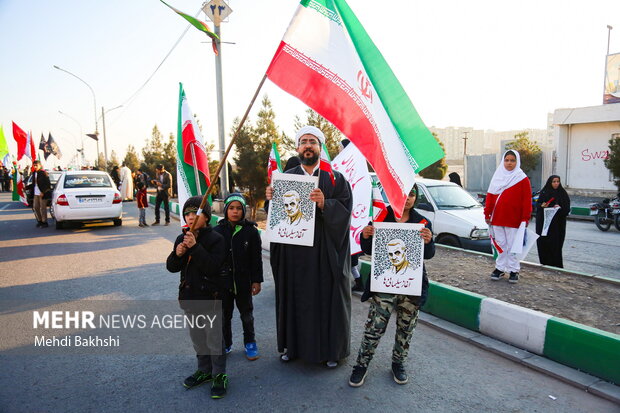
<point>397,258</point>
<point>549,213</point>
<point>291,212</point>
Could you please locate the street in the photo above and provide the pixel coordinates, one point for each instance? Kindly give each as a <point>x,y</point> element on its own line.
<point>101,261</point>
<point>588,249</point>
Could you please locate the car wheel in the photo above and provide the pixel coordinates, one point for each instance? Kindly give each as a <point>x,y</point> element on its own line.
<point>59,225</point>
<point>52,211</point>
<point>118,222</point>
<point>450,240</point>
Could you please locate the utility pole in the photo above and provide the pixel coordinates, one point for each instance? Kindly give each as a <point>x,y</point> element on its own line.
<point>465,158</point>
<point>105,142</point>
<point>216,11</point>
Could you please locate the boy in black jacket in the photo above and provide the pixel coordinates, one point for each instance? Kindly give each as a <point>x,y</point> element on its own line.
<point>199,259</point>
<point>244,263</point>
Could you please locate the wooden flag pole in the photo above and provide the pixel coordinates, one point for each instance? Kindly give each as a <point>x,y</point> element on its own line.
<point>205,198</point>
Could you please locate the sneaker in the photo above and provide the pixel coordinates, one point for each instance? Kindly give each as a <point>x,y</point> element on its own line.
<point>398,371</point>
<point>44,225</point>
<point>145,224</point>
<point>251,351</point>
<point>331,364</point>
<point>228,350</point>
<point>358,376</point>
<point>197,379</point>
<point>155,223</point>
<point>141,225</point>
<point>39,224</point>
<point>167,223</point>
<point>285,358</point>
<point>218,388</point>
<point>514,277</point>
<point>496,275</point>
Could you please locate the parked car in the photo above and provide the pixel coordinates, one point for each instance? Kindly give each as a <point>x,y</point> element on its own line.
<point>53,175</point>
<point>86,196</point>
<point>457,217</point>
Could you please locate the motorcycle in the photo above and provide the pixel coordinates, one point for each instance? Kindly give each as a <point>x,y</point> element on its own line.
<point>606,212</point>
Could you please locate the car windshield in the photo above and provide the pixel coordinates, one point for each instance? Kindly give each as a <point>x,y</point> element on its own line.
<point>452,197</point>
<point>87,181</point>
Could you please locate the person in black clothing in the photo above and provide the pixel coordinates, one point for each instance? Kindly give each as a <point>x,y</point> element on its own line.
<point>454,177</point>
<point>382,304</point>
<point>116,176</point>
<point>41,188</point>
<point>550,246</point>
<point>244,261</point>
<point>199,259</point>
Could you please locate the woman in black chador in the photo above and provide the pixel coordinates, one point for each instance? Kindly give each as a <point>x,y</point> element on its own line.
<point>550,246</point>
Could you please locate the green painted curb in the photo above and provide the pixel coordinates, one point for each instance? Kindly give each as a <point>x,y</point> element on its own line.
<point>588,349</point>
<point>453,304</point>
<point>580,211</point>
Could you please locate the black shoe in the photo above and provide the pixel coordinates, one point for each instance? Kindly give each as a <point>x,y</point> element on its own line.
<point>496,275</point>
<point>358,285</point>
<point>39,223</point>
<point>167,223</point>
<point>358,376</point>
<point>218,388</point>
<point>155,223</point>
<point>514,277</point>
<point>398,371</point>
<point>197,379</point>
<point>44,225</point>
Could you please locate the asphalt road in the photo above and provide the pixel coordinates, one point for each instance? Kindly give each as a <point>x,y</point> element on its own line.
<point>588,249</point>
<point>126,263</point>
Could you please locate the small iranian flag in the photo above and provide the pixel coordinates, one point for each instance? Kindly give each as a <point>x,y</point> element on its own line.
<point>274,162</point>
<point>378,207</point>
<point>192,161</point>
<point>326,163</point>
<point>327,60</point>
<point>199,24</point>
<point>18,186</point>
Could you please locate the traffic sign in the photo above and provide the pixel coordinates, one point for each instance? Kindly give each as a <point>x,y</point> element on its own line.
<point>217,10</point>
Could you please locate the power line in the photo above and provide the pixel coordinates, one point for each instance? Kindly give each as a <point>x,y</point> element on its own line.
<point>131,99</point>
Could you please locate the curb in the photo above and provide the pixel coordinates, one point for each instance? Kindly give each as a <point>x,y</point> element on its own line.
<point>575,345</point>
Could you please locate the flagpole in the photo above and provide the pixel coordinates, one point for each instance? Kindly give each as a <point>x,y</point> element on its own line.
<point>196,175</point>
<point>223,161</point>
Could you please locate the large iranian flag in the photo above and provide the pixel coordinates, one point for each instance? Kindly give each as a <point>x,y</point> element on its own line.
<point>327,60</point>
<point>192,157</point>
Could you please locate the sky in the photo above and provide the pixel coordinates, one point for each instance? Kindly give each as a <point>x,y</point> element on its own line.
<point>500,65</point>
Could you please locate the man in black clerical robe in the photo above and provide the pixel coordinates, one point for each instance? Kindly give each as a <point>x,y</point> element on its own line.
<point>313,284</point>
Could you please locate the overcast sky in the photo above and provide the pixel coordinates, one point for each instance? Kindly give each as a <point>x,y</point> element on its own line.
<point>485,64</point>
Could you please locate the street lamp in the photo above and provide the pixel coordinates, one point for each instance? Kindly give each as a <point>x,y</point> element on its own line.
<point>91,91</point>
<point>609,28</point>
<point>81,134</point>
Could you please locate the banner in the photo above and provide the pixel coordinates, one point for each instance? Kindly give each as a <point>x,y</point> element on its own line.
<point>612,79</point>
<point>352,165</point>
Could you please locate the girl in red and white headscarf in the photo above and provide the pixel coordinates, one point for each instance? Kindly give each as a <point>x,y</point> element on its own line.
<point>508,204</point>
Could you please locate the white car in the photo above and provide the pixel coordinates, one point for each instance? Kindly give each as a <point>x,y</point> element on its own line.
<point>86,196</point>
<point>457,217</point>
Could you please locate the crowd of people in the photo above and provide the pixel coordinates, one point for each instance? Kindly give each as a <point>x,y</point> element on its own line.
<point>313,284</point>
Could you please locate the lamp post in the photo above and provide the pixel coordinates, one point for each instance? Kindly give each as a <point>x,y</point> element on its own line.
<point>94,99</point>
<point>105,141</point>
<point>81,134</point>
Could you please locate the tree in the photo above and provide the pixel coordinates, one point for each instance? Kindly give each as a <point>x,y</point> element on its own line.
<point>100,162</point>
<point>529,151</point>
<point>333,137</point>
<point>612,162</point>
<point>266,129</point>
<point>112,161</point>
<point>153,152</point>
<point>131,159</point>
<point>438,169</point>
<point>251,160</point>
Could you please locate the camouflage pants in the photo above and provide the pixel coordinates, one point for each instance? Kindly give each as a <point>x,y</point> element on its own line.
<point>381,307</point>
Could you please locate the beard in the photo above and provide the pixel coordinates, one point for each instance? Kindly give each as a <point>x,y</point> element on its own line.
<point>311,160</point>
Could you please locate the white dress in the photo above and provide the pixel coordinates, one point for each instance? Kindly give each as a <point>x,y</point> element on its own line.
<point>126,184</point>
